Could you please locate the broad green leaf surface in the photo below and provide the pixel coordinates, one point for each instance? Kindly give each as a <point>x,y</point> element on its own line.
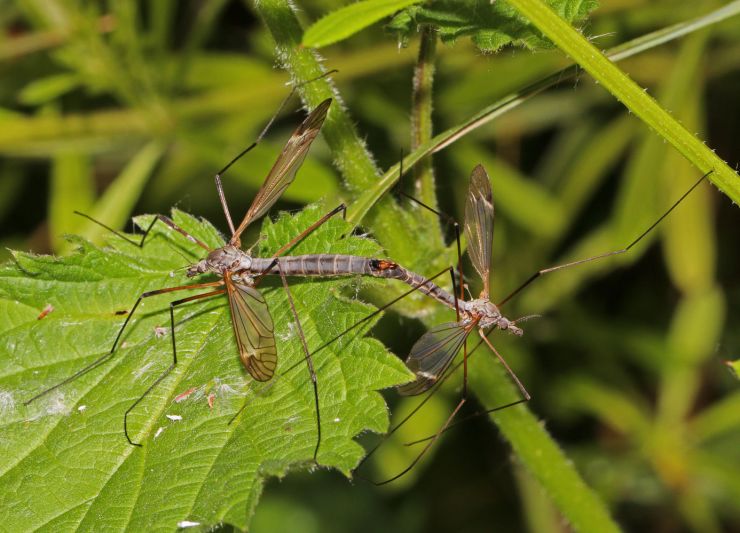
<point>64,462</point>
<point>348,20</point>
<point>490,25</point>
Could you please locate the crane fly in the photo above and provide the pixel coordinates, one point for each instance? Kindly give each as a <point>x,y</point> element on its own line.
<point>431,356</point>
<point>250,316</point>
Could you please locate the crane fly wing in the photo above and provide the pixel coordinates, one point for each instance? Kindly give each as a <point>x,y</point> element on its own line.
<point>432,354</point>
<point>253,329</point>
<point>479,224</point>
<point>285,168</point>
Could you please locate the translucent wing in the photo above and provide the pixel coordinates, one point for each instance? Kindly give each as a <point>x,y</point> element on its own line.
<point>285,168</point>
<point>479,224</point>
<point>253,329</point>
<point>432,354</point>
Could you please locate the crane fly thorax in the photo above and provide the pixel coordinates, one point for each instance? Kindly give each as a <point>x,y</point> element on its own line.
<point>222,260</point>
<point>481,311</point>
<point>488,315</point>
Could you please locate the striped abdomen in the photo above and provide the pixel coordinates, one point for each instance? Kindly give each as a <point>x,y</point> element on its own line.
<point>314,265</point>
<point>343,265</point>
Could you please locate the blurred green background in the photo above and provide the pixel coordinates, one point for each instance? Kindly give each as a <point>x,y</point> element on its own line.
<point>132,109</point>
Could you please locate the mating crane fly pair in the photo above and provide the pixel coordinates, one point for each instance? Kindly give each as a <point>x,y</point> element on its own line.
<point>239,273</point>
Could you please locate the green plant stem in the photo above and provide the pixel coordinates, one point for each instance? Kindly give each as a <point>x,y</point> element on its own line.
<point>422,104</point>
<point>357,166</point>
<point>421,115</point>
<point>593,60</point>
<point>538,452</point>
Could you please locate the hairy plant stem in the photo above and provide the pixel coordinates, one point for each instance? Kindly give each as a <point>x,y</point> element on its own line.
<point>422,130</point>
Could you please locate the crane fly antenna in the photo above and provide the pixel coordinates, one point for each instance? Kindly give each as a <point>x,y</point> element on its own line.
<point>604,255</point>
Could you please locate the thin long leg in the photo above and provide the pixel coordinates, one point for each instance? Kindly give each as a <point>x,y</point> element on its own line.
<point>449,425</point>
<point>174,356</point>
<point>102,359</point>
<point>307,356</point>
<point>457,300</point>
<point>468,418</point>
<point>514,377</point>
<point>426,448</point>
<point>140,244</point>
<point>525,394</point>
<point>219,186</point>
<point>448,374</point>
<point>413,412</point>
<point>607,254</point>
<point>298,238</point>
<point>443,428</point>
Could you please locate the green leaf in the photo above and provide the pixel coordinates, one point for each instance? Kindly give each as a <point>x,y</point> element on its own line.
<point>348,20</point>
<point>49,88</point>
<point>116,203</point>
<point>72,188</point>
<point>65,464</point>
<point>490,25</point>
